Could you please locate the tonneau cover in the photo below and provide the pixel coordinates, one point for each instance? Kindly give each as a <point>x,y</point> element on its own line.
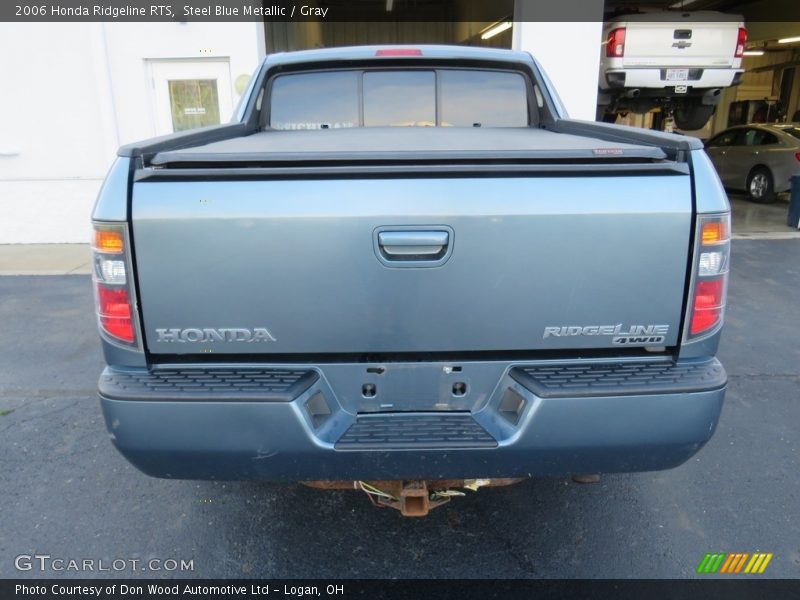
<point>406,143</point>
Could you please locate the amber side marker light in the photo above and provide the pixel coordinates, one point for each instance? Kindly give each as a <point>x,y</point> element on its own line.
<point>714,232</point>
<point>108,241</point>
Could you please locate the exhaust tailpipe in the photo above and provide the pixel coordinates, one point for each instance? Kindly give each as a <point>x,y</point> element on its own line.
<point>712,97</point>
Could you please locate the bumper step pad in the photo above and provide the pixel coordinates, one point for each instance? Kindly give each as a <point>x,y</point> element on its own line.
<point>404,431</point>
<point>621,378</point>
<point>276,385</point>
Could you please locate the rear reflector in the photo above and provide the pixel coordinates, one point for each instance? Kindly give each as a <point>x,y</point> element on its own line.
<point>399,52</point>
<point>741,42</point>
<point>114,310</point>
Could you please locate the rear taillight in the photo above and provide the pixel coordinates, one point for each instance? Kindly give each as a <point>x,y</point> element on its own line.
<point>710,281</point>
<point>797,155</point>
<point>113,291</point>
<point>741,42</point>
<point>615,43</point>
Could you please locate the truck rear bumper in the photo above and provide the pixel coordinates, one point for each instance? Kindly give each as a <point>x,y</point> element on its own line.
<point>655,78</point>
<point>287,424</point>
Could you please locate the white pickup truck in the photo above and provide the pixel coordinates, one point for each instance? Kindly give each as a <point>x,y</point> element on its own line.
<point>679,61</point>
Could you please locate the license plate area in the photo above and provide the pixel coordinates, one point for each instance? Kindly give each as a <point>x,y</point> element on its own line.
<point>677,74</point>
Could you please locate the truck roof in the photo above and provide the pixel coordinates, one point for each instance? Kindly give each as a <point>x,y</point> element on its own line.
<point>427,51</point>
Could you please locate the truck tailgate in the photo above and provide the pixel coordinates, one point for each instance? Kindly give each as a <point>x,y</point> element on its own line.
<point>690,44</point>
<point>394,263</point>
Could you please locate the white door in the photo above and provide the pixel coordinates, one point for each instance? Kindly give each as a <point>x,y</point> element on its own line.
<point>191,93</point>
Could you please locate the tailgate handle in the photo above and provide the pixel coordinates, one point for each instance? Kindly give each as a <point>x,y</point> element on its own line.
<point>413,245</point>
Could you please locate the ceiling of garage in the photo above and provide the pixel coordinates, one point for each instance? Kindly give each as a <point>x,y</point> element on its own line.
<point>767,20</point>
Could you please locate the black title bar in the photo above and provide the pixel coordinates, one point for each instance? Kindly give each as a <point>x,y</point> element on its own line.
<point>334,10</point>
<point>440,589</point>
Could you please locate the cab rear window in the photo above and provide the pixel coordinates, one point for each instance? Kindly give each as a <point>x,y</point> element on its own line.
<point>399,98</point>
<point>315,100</point>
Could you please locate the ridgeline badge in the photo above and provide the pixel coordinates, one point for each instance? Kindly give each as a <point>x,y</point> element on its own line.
<point>620,335</point>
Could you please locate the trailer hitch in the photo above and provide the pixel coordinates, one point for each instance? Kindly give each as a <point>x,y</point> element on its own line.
<point>415,498</point>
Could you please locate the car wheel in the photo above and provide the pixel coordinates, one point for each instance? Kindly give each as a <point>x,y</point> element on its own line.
<point>760,187</point>
<point>692,116</point>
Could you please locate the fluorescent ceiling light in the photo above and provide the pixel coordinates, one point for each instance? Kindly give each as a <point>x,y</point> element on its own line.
<point>754,53</point>
<point>493,31</point>
<point>683,3</point>
<point>789,40</point>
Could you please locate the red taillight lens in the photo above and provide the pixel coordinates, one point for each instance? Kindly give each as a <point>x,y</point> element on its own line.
<point>615,43</point>
<point>399,52</point>
<point>797,155</point>
<point>741,42</point>
<point>114,309</point>
<point>709,298</point>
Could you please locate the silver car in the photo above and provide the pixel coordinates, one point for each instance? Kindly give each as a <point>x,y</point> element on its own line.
<point>757,158</point>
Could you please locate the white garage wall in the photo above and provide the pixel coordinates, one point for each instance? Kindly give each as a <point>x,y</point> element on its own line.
<point>568,51</point>
<point>72,93</point>
<point>54,131</point>
<point>130,45</point>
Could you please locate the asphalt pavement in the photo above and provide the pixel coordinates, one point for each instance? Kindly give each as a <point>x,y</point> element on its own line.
<point>68,494</point>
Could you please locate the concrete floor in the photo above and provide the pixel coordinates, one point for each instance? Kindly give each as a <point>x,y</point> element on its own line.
<point>760,221</point>
<point>45,259</point>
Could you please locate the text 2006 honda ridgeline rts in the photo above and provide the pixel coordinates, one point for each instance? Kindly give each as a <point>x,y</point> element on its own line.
<point>407,267</point>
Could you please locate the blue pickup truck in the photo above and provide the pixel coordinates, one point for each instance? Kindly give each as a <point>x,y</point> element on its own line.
<point>407,271</point>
